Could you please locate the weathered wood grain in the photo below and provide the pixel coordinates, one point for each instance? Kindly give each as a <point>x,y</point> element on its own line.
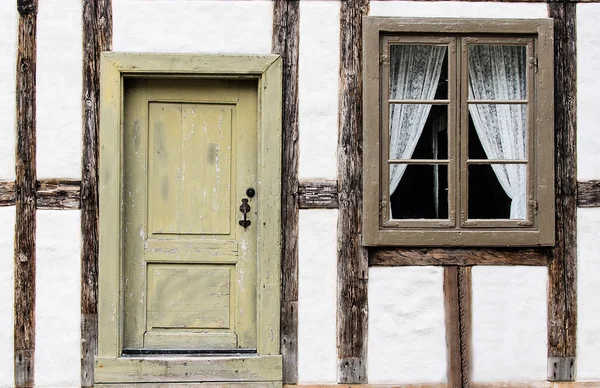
<point>352,257</point>
<point>286,40</point>
<point>457,306</point>
<point>58,194</point>
<point>465,319</point>
<point>588,193</point>
<point>452,322</point>
<point>25,196</point>
<point>7,193</point>
<point>562,268</point>
<point>561,368</point>
<point>317,194</point>
<point>391,257</point>
<point>97,37</point>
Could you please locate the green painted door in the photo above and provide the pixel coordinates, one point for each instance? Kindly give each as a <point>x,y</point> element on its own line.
<point>190,154</point>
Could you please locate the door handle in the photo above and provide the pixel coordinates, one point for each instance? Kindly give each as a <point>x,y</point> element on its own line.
<point>245,209</point>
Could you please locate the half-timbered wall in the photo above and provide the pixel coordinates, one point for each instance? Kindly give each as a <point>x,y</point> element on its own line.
<point>407,332</point>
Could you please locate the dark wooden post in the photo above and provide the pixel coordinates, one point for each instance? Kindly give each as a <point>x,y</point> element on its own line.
<point>562,267</point>
<point>353,266</point>
<point>25,196</point>
<point>286,40</point>
<point>97,37</point>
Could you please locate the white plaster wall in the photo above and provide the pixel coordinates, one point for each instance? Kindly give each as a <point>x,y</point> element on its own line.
<point>192,26</point>
<point>58,250</point>
<point>317,354</point>
<point>407,340</point>
<point>588,91</point>
<point>458,9</point>
<point>7,234</point>
<point>59,86</point>
<point>588,290</point>
<point>319,62</point>
<point>8,63</point>
<point>509,323</point>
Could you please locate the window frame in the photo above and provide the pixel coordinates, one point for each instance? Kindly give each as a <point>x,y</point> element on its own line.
<point>457,229</point>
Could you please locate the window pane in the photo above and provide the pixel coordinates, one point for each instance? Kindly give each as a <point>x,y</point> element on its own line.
<point>498,131</point>
<point>418,72</point>
<point>497,72</point>
<point>497,191</point>
<point>418,191</point>
<point>418,131</point>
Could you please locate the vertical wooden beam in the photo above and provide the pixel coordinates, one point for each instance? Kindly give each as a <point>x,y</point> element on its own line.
<point>97,37</point>
<point>286,40</point>
<point>353,266</point>
<point>25,189</point>
<point>562,268</point>
<point>457,306</point>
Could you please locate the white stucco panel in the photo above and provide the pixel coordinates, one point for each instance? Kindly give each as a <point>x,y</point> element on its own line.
<point>317,355</point>
<point>407,342</point>
<point>509,323</point>
<point>59,87</point>
<point>8,63</point>
<point>58,250</point>
<point>7,235</point>
<point>588,290</point>
<point>588,91</point>
<point>319,62</point>
<point>193,26</point>
<point>457,9</point>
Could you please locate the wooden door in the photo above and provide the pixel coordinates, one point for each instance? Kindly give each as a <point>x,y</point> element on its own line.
<point>190,155</point>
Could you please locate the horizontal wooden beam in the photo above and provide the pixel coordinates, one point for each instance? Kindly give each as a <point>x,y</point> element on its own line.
<point>318,194</point>
<point>393,257</point>
<point>56,194</point>
<point>312,194</point>
<point>588,193</point>
<point>7,193</point>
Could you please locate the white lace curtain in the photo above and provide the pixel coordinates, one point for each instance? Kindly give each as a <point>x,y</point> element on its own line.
<point>499,73</point>
<point>414,74</point>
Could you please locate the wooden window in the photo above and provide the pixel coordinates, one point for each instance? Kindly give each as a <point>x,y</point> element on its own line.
<point>458,132</point>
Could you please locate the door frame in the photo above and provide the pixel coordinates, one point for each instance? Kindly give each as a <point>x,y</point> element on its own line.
<point>111,366</point>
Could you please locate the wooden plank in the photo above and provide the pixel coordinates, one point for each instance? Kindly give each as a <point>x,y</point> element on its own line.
<point>352,257</point>
<point>561,368</point>
<point>392,257</point>
<point>458,313</point>
<point>588,193</point>
<point>317,194</point>
<point>465,319</point>
<point>7,193</point>
<point>452,321</point>
<point>52,193</point>
<point>58,194</point>
<point>190,369</point>
<point>286,40</point>
<point>25,196</point>
<point>97,37</point>
<point>562,268</point>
